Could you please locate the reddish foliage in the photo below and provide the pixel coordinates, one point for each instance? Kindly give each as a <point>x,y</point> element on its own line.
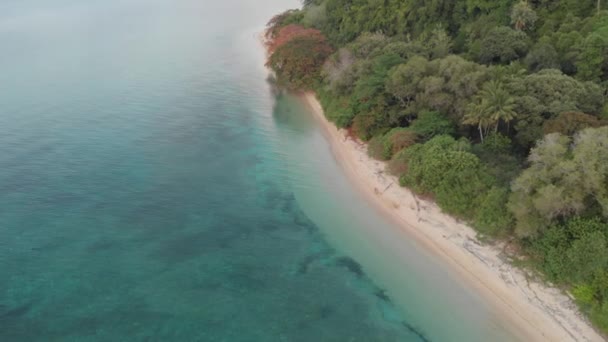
<point>297,62</point>
<point>289,32</point>
<point>568,123</point>
<point>363,126</point>
<point>402,139</point>
<point>350,134</point>
<point>276,23</point>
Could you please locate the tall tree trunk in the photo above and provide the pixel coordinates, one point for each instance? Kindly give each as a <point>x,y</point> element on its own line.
<point>599,6</point>
<point>480,132</point>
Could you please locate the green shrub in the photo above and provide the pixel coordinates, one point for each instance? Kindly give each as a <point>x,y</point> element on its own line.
<point>376,148</point>
<point>497,143</point>
<point>398,139</point>
<point>493,218</point>
<point>584,294</point>
<point>398,164</point>
<point>363,126</point>
<point>429,124</point>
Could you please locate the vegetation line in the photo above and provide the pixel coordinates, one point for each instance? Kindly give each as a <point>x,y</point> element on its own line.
<point>495,109</point>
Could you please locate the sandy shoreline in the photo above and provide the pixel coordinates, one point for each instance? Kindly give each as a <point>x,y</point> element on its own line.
<point>534,311</point>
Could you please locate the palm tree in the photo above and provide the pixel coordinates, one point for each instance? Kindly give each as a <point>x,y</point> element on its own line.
<point>492,105</point>
<point>523,16</point>
<point>479,117</point>
<point>498,103</point>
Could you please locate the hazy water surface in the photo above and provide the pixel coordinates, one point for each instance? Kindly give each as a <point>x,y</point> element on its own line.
<point>152,189</point>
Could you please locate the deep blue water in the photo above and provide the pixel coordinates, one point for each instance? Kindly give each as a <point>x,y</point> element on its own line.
<point>153,189</point>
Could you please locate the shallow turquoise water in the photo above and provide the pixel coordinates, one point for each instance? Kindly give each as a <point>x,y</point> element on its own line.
<point>152,189</point>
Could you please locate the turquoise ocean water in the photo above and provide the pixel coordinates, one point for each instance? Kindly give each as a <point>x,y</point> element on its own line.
<point>153,189</point>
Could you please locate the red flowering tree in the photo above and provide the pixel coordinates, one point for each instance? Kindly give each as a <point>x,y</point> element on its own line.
<point>297,55</point>
<point>289,32</point>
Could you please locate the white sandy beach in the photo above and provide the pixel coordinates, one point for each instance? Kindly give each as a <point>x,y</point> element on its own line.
<point>534,311</point>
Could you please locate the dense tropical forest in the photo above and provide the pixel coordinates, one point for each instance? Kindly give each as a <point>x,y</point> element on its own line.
<point>496,109</point>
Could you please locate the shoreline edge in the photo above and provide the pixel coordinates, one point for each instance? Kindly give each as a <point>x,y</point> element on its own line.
<point>534,311</point>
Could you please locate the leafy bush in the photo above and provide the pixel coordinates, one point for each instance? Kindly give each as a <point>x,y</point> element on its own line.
<point>384,146</point>
<point>376,148</point>
<point>497,143</point>
<point>445,168</point>
<point>398,139</point>
<point>432,123</point>
<point>364,126</point>
<point>492,217</point>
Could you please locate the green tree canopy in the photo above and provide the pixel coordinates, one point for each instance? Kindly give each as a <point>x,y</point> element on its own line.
<point>566,177</point>
<point>503,45</point>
